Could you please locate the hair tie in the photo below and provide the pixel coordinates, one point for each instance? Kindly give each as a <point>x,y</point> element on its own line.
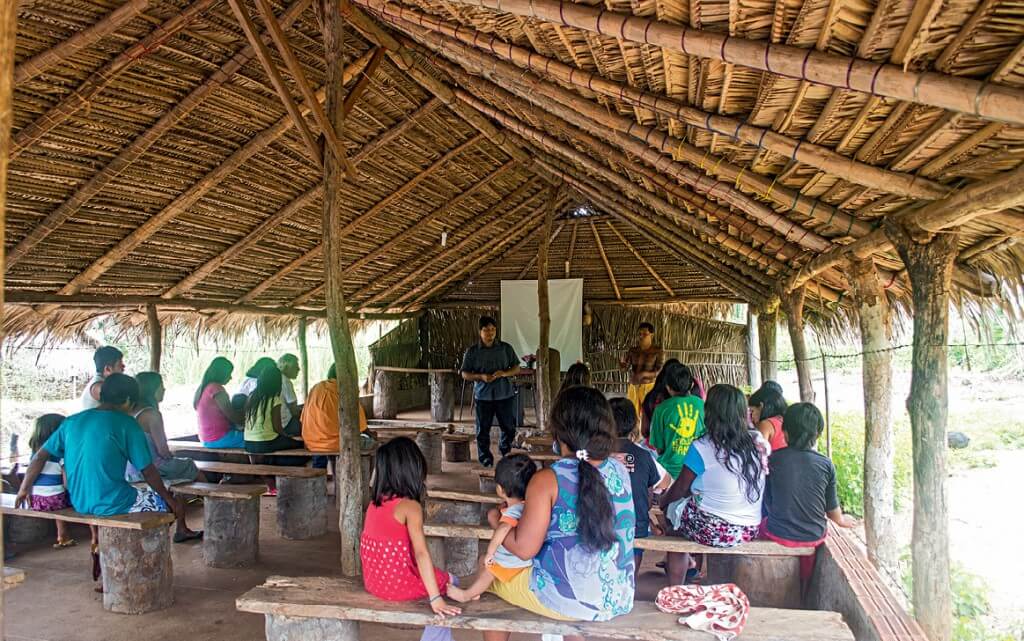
<point>583,455</point>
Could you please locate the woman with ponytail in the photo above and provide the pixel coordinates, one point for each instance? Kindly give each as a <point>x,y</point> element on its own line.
<point>578,524</point>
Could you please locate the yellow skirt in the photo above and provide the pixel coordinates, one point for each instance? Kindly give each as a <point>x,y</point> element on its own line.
<point>517,592</point>
<point>637,393</point>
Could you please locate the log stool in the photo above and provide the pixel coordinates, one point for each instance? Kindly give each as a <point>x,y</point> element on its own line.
<point>460,554</point>
<point>137,571</point>
<point>385,394</point>
<point>456,447</point>
<point>429,442</point>
<point>302,506</point>
<point>442,395</point>
<point>231,522</point>
<point>487,484</point>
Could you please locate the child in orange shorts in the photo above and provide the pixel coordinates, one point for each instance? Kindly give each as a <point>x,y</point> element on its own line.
<point>511,475</point>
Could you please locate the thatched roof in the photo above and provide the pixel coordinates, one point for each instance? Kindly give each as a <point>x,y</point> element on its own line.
<point>154,160</point>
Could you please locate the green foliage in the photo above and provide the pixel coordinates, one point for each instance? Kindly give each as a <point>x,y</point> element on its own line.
<point>970,459</point>
<point>848,457</point>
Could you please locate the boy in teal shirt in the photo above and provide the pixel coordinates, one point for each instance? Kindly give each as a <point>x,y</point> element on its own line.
<point>678,420</point>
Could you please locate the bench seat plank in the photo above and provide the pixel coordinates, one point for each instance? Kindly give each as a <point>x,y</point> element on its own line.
<point>13,577</point>
<point>260,470</point>
<point>459,495</point>
<point>337,598</point>
<point>655,543</point>
<point>219,490</point>
<point>135,521</point>
<point>197,447</point>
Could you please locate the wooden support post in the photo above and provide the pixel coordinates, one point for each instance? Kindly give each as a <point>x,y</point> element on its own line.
<point>753,355</point>
<point>156,338</point>
<point>137,573</point>
<point>303,356</point>
<point>350,488</point>
<point>930,267</point>
<point>793,305</point>
<point>879,449</point>
<point>767,326</point>
<point>604,259</point>
<point>8,21</point>
<point>542,386</point>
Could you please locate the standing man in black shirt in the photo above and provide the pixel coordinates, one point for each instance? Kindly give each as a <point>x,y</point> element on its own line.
<point>488,364</point>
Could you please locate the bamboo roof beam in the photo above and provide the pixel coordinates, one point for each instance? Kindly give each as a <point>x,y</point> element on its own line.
<point>263,53</point>
<point>141,144</point>
<point>280,274</point>
<point>992,102</point>
<point>604,259</point>
<point>302,200</point>
<point>990,196</point>
<point>989,246</point>
<point>364,82</point>
<point>89,36</point>
<point>636,254</point>
<point>82,96</point>
<point>533,260</point>
<point>572,250</point>
<point>814,155</point>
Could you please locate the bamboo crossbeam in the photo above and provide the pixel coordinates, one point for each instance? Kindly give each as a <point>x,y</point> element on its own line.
<point>141,144</point>
<point>966,95</point>
<point>814,155</point>
<point>364,81</point>
<point>84,93</point>
<point>89,36</point>
<point>572,250</point>
<point>533,260</point>
<point>636,254</point>
<point>604,259</point>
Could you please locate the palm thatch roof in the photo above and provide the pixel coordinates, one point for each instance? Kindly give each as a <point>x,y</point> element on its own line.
<point>698,151</point>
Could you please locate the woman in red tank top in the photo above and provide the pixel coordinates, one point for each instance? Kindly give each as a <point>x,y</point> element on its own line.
<point>766,409</point>
<point>393,548</point>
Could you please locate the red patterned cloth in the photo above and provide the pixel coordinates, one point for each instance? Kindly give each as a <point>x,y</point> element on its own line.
<point>719,609</point>
<point>389,566</point>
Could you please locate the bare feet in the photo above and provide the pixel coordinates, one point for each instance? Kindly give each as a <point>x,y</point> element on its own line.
<point>460,595</point>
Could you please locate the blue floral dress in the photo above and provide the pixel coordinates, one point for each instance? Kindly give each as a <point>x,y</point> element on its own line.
<point>568,577</point>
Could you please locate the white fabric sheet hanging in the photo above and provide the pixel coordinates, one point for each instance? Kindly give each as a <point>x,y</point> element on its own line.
<point>520,324</point>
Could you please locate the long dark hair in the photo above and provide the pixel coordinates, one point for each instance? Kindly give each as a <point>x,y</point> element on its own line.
<point>218,371</point>
<point>268,387</point>
<point>659,392</point>
<point>260,366</point>
<point>44,428</point>
<point>400,471</point>
<point>803,425</point>
<point>149,383</point>
<point>770,401</point>
<point>578,374</point>
<point>725,418</point>
<point>581,419</point>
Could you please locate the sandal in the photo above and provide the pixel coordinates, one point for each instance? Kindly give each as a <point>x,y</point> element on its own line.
<point>180,537</point>
<point>65,543</point>
<point>96,570</point>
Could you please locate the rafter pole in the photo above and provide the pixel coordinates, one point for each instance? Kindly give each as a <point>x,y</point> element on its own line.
<point>636,254</point>
<point>572,250</point>
<point>140,145</point>
<point>364,82</point>
<point>533,260</point>
<point>604,259</point>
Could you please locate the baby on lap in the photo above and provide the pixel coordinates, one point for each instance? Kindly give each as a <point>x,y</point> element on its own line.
<point>511,475</point>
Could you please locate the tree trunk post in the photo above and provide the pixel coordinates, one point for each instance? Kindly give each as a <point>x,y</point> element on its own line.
<point>303,355</point>
<point>879,450</point>
<point>793,305</point>
<point>156,338</point>
<point>8,31</point>
<point>767,326</point>
<point>349,485</point>
<point>442,396</point>
<point>753,356</point>
<point>929,264</point>
<point>542,384</point>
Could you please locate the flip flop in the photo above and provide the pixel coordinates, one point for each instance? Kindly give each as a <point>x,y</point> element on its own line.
<point>96,570</point>
<point>191,536</point>
<point>66,543</point>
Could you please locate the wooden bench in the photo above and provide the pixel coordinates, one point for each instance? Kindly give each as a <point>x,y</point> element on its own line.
<point>231,522</point>
<point>135,554</point>
<point>13,577</point>
<point>428,438</point>
<point>330,609</point>
<point>301,495</point>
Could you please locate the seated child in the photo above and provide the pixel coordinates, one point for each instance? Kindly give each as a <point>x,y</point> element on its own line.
<point>48,493</point>
<point>801,488</point>
<point>512,475</point>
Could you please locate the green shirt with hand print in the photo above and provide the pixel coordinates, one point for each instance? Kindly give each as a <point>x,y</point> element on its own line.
<point>677,422</point>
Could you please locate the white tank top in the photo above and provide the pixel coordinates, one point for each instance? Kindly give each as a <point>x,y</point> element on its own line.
<point>88,402</point>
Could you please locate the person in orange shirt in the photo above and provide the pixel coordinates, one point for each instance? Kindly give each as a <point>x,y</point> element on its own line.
<point>320,419</point>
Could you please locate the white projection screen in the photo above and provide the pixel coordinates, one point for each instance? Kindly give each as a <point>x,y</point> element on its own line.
<point>520,326</point>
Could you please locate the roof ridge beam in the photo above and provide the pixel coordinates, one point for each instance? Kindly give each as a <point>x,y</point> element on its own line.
<point>141,144</point>
<point>988,101</point>
<point>764,138</point>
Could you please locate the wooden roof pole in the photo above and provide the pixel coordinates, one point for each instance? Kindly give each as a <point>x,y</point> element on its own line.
<point>416,227</point>
<point>140,145</point>
<point>815,155</point>
<point>83,94</point>
<point>156,338</point>
<point>636,254</point>
<point>989,196</point>
<point>992,102</point>
<point>364,82</point>
<point>263,53</point>
<point>454,250</point>
<point>92,34</point>
<point>8,36</point>
<point>535,258</point>
<point>299,76</point>
<point>572,250</point>
<point>604,259</point>
<point>546,379</point>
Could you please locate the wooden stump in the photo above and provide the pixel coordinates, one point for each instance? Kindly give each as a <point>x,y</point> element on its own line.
<point>301,507</point>
<point>456,447</point>
<point>26,529</point>
<point>137,572</point>
<point>768,581</point>
<point>442,396</point>
<point>385,395</point>
<point>231,536</point>
<point>430,444</point>
<point>282,628</point>
<point>460,554</point>
<point>487,484</point>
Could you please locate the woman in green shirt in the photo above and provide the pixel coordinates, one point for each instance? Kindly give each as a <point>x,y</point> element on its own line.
<point>263,430</point>
<point>678,420</point>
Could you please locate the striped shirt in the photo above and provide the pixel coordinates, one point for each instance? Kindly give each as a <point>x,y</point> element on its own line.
<point>50,481</point>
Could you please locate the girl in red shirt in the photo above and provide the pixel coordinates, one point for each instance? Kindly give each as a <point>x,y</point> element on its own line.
<point>393,548</point>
